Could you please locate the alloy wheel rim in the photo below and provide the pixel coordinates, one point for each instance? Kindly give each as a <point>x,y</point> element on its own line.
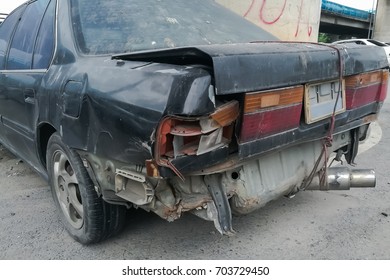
<point>67,190</point>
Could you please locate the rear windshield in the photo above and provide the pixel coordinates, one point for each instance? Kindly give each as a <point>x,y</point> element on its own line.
<point>111,27</point>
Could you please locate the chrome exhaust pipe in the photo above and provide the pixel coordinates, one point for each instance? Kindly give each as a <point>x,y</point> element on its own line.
<point>343,178</point>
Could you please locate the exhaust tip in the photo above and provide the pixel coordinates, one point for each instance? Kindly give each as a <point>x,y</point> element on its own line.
<point>343,178</point>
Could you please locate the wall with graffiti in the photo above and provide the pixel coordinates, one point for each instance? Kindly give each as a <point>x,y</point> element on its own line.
<point>289,20</point>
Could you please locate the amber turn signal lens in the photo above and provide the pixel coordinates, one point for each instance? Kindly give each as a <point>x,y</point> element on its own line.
<point>227,113</point>
<point>255,101</point>
<point>366,79</point>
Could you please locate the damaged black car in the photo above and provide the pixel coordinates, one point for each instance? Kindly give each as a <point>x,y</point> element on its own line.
<point>177,106</point>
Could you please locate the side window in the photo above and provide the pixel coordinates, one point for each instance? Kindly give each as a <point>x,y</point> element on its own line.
<point>45,41</point>
<point>22,45</point>
<point>6,30</point>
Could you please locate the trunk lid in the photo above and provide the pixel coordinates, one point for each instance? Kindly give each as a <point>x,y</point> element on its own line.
<point>258,66</point>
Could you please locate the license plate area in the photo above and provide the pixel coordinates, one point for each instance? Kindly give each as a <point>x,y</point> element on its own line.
<point>320,100</point>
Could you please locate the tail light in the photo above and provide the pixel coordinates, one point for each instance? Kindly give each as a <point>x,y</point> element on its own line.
<point>366,88</point>
<point>271,112</point>
<point>179,136</point>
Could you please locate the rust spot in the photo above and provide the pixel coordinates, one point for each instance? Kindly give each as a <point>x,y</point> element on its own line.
<point>370,118</point>
<point>151,168</point>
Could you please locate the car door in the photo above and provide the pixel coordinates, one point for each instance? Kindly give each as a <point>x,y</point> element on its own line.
<point>28,57</point>
<point>6,31</point>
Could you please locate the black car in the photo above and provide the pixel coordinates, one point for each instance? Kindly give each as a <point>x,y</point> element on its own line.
<point>176,106</point>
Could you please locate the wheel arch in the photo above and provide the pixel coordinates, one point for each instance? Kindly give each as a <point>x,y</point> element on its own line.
<point>44,132</point>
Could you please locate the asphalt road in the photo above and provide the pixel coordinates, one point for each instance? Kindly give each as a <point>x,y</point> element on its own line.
<point>313,225</point>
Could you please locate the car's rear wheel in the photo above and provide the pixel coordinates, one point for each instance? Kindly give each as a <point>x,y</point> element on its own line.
<point>86,216</point>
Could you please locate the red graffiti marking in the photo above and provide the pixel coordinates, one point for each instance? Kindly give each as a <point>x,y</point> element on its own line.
<point>261,14</point>
<point>309,28</point>
<point>250,8</point>
<point>263,11</point>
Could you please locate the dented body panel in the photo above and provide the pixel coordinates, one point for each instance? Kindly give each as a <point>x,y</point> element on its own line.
<point>164,130</point>
<point>251,67</point>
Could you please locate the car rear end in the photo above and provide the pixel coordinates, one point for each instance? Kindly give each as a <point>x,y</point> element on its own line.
<point>224,123</point>
<point>281,110</point>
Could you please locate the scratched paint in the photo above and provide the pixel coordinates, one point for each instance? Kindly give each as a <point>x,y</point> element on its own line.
<point>289,20</point>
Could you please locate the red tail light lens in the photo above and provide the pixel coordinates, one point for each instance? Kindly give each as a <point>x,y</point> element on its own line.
<point>366,88</point>
<point>385,82</point>
<point>271,112</point>
<point>270,122</point>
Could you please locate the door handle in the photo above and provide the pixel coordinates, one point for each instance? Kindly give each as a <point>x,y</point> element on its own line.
<point>29,96</point>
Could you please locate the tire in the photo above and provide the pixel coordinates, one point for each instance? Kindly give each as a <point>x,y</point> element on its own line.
<point>85,215</point>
